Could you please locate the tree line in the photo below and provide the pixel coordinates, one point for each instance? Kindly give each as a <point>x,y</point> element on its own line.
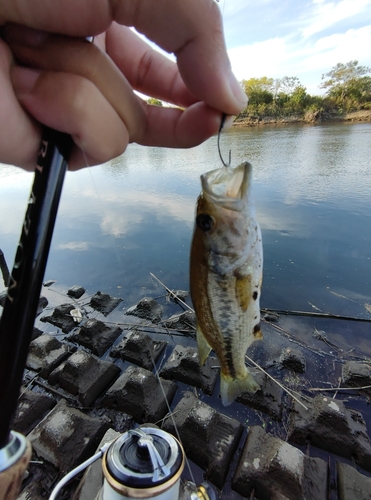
<point>348,88</point>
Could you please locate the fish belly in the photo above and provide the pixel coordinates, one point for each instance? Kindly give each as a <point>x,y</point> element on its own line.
<point>228,322</point>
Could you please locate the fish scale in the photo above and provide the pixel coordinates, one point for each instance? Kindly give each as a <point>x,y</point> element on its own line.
<point>226,275</point>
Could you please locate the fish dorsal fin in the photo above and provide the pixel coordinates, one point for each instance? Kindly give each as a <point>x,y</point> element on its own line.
<point>243,291</point>
<point>203,346</point>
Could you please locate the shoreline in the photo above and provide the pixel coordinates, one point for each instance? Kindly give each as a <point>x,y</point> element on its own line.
<point>311,118</point>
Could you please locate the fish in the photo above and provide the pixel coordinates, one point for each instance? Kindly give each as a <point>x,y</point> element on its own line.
<point>226,268</point>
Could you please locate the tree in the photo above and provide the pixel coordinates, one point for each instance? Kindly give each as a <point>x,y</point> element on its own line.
<point>346,80</point>
<point>259,90</point>
<point>286,85</point>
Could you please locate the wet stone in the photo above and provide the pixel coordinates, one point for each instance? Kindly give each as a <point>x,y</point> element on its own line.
<point>140,349</point>
<point>276,470</point>
<point>43,302</point>
<point>46,353</point>
<point>66,437</point>
<point>96,335</point>
<point>268,399</point>
<point>293,360</point>
<point>356,374</point>
<point>104,303</point>
<point>36,332</point>
<point>177,295</point>
<point>352,485</point>
<point>32,408</point>
<point>76,291</point>
<point>92,480</point>
<point>184,365</point>
<point>186,319</point>
<point>139,393</point>
<point>329,425</point>
<point>53,378</point>
<point>49,283</point>
<point>87,376</point>
<point>61,318</point>
<point>147,308</point>
<point>209,438</point>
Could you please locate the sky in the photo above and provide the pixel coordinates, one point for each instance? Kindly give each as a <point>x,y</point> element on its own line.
<point>302,38</point>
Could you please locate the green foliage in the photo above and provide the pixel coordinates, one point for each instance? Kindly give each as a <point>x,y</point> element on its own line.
<point>154,102</point>
<point>348,88</point>
<point>348,84</point>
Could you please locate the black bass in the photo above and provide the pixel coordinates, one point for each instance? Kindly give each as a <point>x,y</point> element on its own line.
<point>226,275</point>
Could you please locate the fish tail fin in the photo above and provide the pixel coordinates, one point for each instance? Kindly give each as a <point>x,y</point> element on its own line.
<point>203,346</point>
<point>231,388</point>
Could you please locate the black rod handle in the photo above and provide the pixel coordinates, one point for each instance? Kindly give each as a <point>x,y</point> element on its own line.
<point>26,279</point>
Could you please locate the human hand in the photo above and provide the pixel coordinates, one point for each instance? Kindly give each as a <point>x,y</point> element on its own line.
<point>86,90</point>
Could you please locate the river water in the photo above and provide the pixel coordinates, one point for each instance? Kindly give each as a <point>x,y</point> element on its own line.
<point>122,220</point>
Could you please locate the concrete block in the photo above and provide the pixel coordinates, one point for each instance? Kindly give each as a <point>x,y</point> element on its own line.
<point>209,438</point>
<point>96,335</point>
<point>293,359</point>
<point>184,365</point>
<point>139,393</point>
<point>140,349</point>
<point>329,425</point>
<point>76,291</point>
<point>147,308</point>
<point>184,320</point>
<point>268,399</point>
<point>32,408</point>
<point>46,353</point>
<point>92,480</point>
<point>61,317</point>
<point>104,303</point>
<point>66,436</point>
<point>352,485</point>
<point>87,376</point>
<point>355,374</point>
<point>277,471</point>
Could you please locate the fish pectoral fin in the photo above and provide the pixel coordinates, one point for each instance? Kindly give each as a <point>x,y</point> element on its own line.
<point>203,346</point>
<point>231,388</point>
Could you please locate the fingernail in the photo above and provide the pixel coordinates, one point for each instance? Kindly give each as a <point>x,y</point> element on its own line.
<point>24,79</point>
<point>228,122</point>
<point>238,91</point>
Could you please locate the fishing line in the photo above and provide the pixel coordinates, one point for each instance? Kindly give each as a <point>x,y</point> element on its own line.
<point>224,116</point>
<point>172,419</point>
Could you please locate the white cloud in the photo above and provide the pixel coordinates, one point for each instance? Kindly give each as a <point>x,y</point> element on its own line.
<point>328,14</point>
<point>278,57</point>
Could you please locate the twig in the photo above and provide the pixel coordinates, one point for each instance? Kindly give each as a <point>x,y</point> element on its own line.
<point>330,389</point>
<point>339,384</point>
<point>276,381</point>
<point>54,391</point>
<point>172,293</point>
<point>314,314</point>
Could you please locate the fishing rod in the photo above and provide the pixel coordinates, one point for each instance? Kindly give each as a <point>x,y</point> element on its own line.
<point>21,302</point>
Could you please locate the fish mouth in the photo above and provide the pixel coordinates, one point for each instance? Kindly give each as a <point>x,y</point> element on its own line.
<point>228,187</point>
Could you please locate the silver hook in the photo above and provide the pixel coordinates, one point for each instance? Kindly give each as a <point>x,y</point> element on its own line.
<point>224,116</point>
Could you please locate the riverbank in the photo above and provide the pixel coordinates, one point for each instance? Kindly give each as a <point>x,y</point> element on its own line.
<point>308,117</point>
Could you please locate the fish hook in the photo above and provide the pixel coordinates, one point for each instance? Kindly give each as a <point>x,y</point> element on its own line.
<point>224,116</point>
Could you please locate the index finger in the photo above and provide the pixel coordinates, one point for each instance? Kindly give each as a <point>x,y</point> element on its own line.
<point>192,30</point>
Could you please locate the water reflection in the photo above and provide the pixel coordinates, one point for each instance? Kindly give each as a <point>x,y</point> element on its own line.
<point>132,216</point>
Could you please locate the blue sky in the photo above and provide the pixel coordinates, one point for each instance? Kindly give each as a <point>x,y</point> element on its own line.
<point>303,38</point>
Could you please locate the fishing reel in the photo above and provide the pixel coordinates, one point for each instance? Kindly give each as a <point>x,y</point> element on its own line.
<point>145,463</point>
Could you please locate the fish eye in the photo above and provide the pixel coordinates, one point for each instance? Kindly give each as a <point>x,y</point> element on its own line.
<point>205,222</point>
